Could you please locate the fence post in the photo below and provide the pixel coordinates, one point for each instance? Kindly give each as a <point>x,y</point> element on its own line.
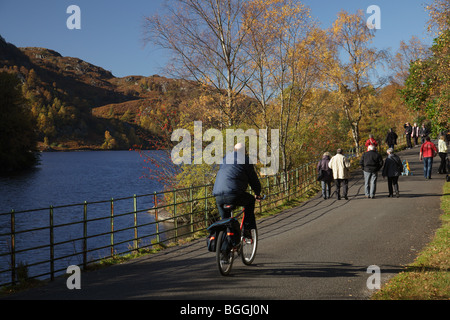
<point>175,214</point>
<point>206,205</point>
<point>112,227</point>
<point>52,248</point>
<point>155,205</point>
<point>192,209</point>
<point>13,247</point>
<point>275,187</point>
<point>291,183</point>
<point>136,245</point>
<point>303,179</point>
<point>85,235</point>
<point>260,207</point>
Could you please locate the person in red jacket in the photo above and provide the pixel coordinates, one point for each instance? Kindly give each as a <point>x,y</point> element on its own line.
<point>371,141</point>
<point>427,152</point>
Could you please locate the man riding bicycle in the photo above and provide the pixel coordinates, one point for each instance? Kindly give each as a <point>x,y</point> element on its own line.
<point>235,174</point>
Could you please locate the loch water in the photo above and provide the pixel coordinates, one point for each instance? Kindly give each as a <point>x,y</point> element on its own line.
<point>65,180</point>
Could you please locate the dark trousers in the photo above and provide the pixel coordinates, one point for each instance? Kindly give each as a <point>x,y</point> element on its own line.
<point>427,167</point>
<point>393,185</point>
<point>408,141</point>
<point>244,199</point>
<point>338,187</point>
<point>443,165</point>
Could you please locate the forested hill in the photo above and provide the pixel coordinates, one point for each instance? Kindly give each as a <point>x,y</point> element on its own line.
<point>78,105</point>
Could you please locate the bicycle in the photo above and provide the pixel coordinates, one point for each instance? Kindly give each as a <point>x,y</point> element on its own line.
<point>246,248</point>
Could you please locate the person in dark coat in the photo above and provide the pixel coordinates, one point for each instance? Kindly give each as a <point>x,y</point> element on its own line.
<point>235,174</point>
<point>408,133</point>
<point>327,175</point>
<point>391,138</point>
<point>392,170</point>
<point>415,134</point>
<point>423,132</point>
<point>371,162</point>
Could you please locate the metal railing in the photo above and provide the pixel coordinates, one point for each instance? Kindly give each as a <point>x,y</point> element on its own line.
<point>85,233</point>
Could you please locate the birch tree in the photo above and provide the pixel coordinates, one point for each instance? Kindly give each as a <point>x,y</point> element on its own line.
<point>284,49</point>
<point>205,38</point>
<point>351,69</point>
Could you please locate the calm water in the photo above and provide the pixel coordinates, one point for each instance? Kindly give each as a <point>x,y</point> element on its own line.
<point>64,178</point>
<point>74,177</point>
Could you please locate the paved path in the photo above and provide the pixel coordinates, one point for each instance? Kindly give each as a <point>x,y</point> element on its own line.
<point>319,250</point>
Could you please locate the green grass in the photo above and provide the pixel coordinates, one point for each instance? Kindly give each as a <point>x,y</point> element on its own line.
<point>428,277</point>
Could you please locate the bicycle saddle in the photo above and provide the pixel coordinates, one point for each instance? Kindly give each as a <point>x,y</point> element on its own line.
<point>230,207</point>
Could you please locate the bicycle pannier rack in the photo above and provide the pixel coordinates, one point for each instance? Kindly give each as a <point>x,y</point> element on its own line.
<point>232,229</point>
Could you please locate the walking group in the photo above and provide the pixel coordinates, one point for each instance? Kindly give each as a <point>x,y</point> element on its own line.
<point>337,167</point>
<point>428,149</point>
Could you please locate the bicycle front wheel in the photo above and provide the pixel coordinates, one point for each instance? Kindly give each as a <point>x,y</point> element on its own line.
<point>224,257</point>
<point>249,245</point>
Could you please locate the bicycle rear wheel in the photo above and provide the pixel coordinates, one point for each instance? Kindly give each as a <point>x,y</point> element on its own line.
<point>224,258</point>
<point>248,249</point>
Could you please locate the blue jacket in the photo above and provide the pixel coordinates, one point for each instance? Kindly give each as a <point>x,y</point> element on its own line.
<point>234,178</point>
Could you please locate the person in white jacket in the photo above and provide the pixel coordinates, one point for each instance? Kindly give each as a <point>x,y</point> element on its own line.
<point>340,165</point>
<point>442,151</point>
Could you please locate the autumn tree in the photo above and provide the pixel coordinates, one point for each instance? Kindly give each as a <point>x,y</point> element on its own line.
<point>439,12</point>
<point>427,87</point>
<point>284,49</point>
<point>351,70</point>
<point>205,38</point>
<point>17,127</point>
<point>407,53</point>
<point>110,141</point>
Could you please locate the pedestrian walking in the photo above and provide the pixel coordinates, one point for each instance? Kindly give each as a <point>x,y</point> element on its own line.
<point>427,153</point>
<point>442,151</point>
<point>391,138</point>
<point>325,174</point>
<point>371,162</point>
<point>423,132</point>
<point>408,132</point>
<point>392,170</point>
<point>340,165</point>
<point>415,134</point>
<point>371,142</point>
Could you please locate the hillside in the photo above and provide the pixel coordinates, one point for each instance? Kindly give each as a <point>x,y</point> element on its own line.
<point>78,105</point>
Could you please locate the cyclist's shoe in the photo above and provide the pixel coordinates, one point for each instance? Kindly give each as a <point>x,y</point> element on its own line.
<point>247,234</point>
<point>225,259</point>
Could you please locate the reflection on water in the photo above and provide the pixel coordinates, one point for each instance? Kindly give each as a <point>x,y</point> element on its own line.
<point>73,178</point>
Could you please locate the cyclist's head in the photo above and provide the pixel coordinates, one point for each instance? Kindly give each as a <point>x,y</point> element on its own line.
<point>239,147</point>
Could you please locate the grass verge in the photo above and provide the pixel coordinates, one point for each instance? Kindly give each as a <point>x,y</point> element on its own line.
<point>428,277</point>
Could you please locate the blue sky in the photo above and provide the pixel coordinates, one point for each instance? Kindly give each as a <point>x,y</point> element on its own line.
<point>111,31</point>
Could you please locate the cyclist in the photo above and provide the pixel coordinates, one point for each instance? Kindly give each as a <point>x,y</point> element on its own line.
<point>234,175</point>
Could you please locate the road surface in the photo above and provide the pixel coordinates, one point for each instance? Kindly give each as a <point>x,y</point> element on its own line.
<point>319,250</point>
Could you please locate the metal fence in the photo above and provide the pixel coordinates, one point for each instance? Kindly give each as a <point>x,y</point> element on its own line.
<point>85,233</point>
